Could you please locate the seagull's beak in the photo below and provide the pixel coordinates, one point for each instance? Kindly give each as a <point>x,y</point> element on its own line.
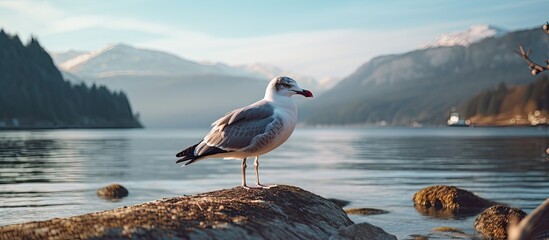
<point>305,93</point>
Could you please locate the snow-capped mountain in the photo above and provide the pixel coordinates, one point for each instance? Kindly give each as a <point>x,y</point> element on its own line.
<point>471,35</point>
<point>124,60</point>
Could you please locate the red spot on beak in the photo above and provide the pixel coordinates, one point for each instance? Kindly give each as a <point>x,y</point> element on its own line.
<point>306,93</point>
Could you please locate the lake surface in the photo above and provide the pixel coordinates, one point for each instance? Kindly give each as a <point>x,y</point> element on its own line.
<point>55,173</point>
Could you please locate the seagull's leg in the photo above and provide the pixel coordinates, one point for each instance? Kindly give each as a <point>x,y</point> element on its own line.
<point>256,167</point>
<point>244,174</point>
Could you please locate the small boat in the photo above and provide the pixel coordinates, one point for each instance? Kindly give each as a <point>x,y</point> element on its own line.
<point>455,121</point>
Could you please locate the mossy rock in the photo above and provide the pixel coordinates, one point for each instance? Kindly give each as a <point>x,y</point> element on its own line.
<point>493,222</point>
<point>448,201</point>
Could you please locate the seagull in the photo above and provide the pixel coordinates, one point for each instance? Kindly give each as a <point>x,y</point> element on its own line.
<point>251,131</point>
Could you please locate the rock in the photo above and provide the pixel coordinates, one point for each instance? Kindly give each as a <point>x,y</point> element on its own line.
<point>493,222</point>
<point>419,237</point>
<point>448,229</point>
<point>448,201</point>
<point>112,192</point>
<point>365,211</point>
<point>283,212</point>
<point>444,233</point>
<point>339,202</point>
<point>362,231</point>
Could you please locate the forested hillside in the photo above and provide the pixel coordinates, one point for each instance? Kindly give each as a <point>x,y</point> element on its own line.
<point>510,105</point>
<point>33,94</point>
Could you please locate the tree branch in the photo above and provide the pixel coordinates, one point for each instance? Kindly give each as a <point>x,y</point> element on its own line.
<point>536,68</point>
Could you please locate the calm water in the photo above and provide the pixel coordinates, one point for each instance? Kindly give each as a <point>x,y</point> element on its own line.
<point>46,174</point>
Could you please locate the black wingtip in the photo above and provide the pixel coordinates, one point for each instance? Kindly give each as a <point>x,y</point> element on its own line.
<point>190,160</point>
<point>182,160</point>
<point>187,152</point>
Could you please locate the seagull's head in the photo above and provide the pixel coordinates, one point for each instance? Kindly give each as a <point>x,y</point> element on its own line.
<point>285,86</point>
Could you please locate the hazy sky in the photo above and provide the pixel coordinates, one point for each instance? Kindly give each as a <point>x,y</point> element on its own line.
<point>318,38</point>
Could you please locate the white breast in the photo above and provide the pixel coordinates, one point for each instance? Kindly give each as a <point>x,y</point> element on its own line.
<point>287,112</point>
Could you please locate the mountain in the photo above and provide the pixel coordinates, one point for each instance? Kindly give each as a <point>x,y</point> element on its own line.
<point>515,105</point>
<point>471,35</point>
<point>168,91</point>
<point>33,93</point>
<point>422,85</point>
<point>107,62</point>
<point>124,60</point>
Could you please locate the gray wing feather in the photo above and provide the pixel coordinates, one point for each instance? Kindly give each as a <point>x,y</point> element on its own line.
<point>237,129</point>
<point>258,110</point>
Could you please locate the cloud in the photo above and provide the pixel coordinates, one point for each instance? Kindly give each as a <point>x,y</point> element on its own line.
<point>34,9</point>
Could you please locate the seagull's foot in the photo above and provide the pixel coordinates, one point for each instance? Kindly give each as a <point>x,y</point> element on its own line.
<point>246,187</point>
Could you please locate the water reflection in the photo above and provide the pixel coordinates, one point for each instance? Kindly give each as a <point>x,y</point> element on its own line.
<point>444,213</point>
<point>25,160</point>
<point>40,160</point>
<point>456,154</point>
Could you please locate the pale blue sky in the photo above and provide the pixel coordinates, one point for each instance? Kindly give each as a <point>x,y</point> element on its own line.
<point>319,38</point>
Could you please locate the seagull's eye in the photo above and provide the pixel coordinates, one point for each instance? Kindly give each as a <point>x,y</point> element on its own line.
<point>287,85</point>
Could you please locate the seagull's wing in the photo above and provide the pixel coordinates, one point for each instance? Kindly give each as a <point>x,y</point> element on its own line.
<point>259,110</point>
<point>241,128</point>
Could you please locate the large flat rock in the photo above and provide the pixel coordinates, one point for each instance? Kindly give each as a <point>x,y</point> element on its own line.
<point>284,212</point>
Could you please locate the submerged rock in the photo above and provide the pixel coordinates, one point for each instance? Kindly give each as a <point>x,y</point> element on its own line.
<point>112,192</point>
<point>362,231</point>
<point>493,222</point>
<point>444,232</point>
<point>284,212</point>
<point>448,201</point>
<point>365,211</point>
<point>448,229</point>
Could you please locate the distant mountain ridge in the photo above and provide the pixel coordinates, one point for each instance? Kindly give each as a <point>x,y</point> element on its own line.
<point>33,93</point>
<point>422,85</point>
<point>122,60</point>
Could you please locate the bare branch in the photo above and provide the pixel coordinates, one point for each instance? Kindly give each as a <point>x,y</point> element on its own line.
<point>536,68</point>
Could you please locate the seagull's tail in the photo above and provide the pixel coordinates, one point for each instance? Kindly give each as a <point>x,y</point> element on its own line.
<point>187,155</point>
